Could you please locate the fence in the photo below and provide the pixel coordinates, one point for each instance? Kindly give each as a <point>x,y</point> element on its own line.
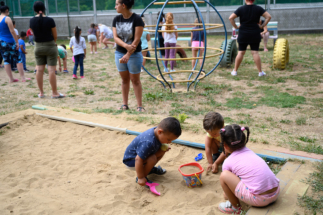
<point>56,7</point>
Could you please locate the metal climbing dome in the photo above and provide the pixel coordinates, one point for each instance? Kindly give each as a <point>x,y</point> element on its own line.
<point>200,74</point>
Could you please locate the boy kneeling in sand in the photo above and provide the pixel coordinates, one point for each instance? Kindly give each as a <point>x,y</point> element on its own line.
<point>148,148</point>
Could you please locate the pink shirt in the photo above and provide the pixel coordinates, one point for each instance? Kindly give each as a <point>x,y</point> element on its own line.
<point>252,170</point>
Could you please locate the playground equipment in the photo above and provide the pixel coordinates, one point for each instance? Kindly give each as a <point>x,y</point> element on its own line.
<point>200,74</point>
<point>230,54</point>
<point>281,54</point>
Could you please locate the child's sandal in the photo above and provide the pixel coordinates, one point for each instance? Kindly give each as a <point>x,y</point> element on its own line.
<point>157,170</point>
<point>141,109</point>
<point>124,107</point>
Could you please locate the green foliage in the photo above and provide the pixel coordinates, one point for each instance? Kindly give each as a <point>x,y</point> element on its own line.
<point>238,103</point>
<point>301,120</point>
<point>181,117</point>
<point>273,98</point>
<point>285,121</point>
<point>307,139</point>
<point>310,147</point>
<point>89,92</point>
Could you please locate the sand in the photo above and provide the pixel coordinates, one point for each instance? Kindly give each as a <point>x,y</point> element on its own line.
<point>52,167</point>
<point>190,170</point>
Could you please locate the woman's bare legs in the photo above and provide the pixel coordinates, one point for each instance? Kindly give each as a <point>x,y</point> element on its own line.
<point>257,60</point>
<point>239,59</point>
<point>106,42</point>
<point>20,68</point>
<point>136,83</point>
<point>7,67</point>
<point>125,86</point>
<point>52,79</point>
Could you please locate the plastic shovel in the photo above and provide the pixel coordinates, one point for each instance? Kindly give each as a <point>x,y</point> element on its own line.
<point>152,187</point>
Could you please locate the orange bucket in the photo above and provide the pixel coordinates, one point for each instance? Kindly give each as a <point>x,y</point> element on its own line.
<point>194,179</point>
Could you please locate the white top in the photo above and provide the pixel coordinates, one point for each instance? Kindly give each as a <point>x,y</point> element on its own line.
<point>16,32</point>
<point>107,32</point>
<point>78,48</point>
<point>169,37</point>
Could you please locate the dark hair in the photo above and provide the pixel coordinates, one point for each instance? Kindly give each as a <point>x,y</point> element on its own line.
<point>128,3</point>
<point>77,34</point>
<point>233,136</point>
<point>252,1</point>
<point>13,22</point>
<point>23,34</point>
<point>172,125</point>
<point>64,46</point>
<point>162,15</point>
<point>213,120</point>
<point>39,7</point>
<point>3,7</point>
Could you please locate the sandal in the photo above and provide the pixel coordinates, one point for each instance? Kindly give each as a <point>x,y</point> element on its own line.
<point>124,107</point>
<point>157,170</point>
<point>41,96</point>
<point>59,96</point>
<point>141,109</point>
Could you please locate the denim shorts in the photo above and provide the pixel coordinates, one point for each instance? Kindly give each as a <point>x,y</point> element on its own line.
<point>9,53</point>
<point>91,38</point>
<point>134,63</point>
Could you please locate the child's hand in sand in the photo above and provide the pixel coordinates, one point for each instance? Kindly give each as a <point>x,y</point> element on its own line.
<point>215,168</point>
<point>142,181</point>
<point>209,167</point>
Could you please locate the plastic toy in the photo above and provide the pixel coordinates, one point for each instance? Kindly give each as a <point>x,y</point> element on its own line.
<point>194,179</point>
<point>152,187</point>
<point>199,157</point>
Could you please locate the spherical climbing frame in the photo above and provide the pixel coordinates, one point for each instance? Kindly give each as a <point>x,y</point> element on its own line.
<point>200,74</point>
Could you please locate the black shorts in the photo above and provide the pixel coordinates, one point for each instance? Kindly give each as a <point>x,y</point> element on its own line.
<point>253,46</point>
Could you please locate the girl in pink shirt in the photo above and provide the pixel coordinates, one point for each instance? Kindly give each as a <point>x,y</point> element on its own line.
<point>245,176</point>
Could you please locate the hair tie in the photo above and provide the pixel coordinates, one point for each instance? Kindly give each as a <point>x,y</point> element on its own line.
<point>222,129</point>
<point>243,128</point>
<point>236,142</point>
<point>40,12</point>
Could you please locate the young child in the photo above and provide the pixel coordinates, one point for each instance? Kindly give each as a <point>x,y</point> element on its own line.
<point>78,48</point>
<point>22,49</point>
<point>245,175</point>
<point>30,35</point>
<point>170,40</point>
<point>195,38</point>
<point>145,38</point>
<point>212,123</point>
<point>145,150</point>
<point>62,54</point>
<point>92,38</point>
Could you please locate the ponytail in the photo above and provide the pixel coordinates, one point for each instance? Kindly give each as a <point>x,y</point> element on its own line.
<point>39,8</point>
<point>77,33</point>
<point>169,20</point>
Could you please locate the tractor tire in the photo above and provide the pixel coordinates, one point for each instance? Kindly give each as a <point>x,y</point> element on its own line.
<point>281,54</point>
<point>180,52</point>
<point>230,53</point>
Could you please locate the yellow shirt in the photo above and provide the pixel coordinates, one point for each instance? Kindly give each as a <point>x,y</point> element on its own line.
<point>217,138</point>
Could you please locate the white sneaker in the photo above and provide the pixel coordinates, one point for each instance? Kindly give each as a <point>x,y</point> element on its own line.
<point>142,70</point>
<point>165,70</point>
<point>261,74</point>
<point>226,207</point>
<point>234,73</point>
<point>91,52</point>
<point>173,70</point>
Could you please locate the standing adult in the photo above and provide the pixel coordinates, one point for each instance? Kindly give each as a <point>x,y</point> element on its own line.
<point>127,30</point>
<point>45,33</point>
<point>92,38</point>
<point>9,45</point>
<point>249,32</point>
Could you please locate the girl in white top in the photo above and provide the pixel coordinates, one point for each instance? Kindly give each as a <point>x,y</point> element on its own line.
<point>78,48</point>
<point>105,35</point>
<point>170,39</point>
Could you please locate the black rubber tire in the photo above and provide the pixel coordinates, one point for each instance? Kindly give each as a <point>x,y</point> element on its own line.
<point>230,54</point>
<point>180,52</point>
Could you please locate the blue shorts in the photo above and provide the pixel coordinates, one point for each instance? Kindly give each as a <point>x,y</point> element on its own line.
<point>9,53</point>
<point>130,163</point>
<point>134,63</point>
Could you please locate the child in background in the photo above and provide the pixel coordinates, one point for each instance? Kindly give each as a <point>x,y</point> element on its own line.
<point>212,123</point>
<point>145,150</point>
<point>78,48</point>
<point>62,53</point>
<point>195,38</point>
<point>145,38</point>
<point>170,40</point>
<point>105,35</point>
<point>30,35</point>
<point>92,38</point>
<point>245,176</point>
<point>22,49</point>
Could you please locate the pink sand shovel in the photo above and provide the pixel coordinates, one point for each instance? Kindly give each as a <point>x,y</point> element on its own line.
<point>152,187</point>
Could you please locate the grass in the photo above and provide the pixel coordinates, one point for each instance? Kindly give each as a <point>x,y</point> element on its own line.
<point>313,203</point>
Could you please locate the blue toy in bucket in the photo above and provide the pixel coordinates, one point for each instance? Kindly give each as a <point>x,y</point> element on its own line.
<point>192,179</point>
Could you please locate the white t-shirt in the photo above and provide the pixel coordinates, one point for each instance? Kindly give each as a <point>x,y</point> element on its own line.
<point>107,32</point>
<point>78,48</point>
<point>16,32</point>
<point>169,37</point>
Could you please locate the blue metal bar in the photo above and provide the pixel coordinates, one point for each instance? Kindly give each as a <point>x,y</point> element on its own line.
<point>155,45</point>
<point>205,42</point>
<point>225,44</point>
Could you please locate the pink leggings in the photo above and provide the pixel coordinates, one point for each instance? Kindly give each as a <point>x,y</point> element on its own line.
<point>266,37</point>
<point>170,53</point>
